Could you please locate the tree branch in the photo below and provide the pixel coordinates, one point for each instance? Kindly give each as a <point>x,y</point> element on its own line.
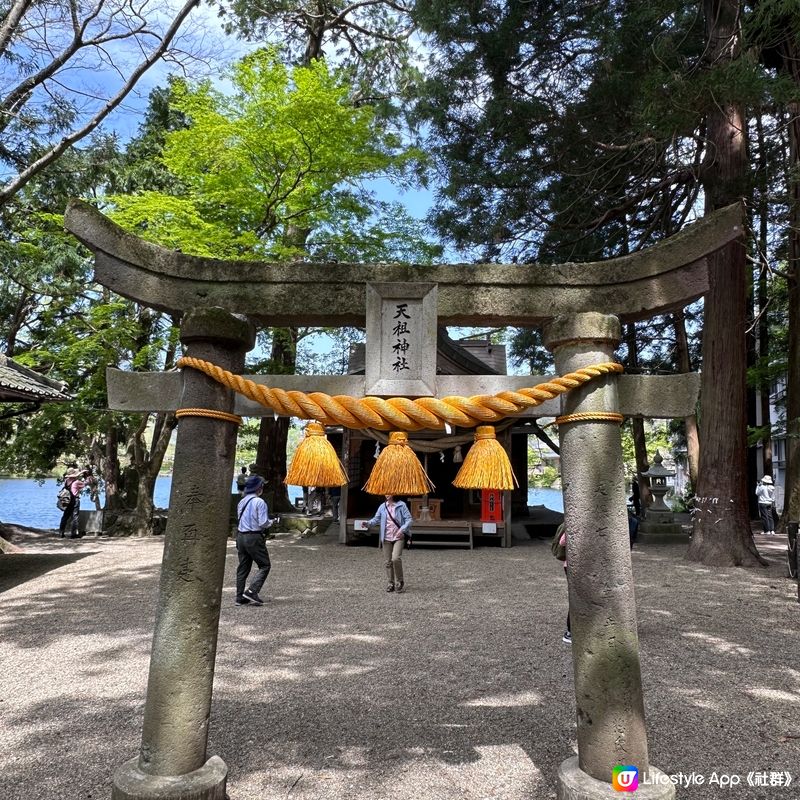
<point>11,22</point>
<point>15,184</point>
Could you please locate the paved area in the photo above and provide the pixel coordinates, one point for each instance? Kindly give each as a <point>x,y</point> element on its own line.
<point>460,688</point>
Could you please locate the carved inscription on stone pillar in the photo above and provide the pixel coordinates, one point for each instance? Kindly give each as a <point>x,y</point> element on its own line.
<point>401,339</point>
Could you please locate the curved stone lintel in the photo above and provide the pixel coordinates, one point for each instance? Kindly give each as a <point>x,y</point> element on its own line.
<point>668,275</point>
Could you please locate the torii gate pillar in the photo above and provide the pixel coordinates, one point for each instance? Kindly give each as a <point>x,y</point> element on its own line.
<point>605,652</point>
<point>172,761</point>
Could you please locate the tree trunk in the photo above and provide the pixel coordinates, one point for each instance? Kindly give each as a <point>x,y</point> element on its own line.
<point>16,321</point>
<point>141,523</point>
<point>722,534</point>
<point>273,437</point>
<point>273,434</point>
<point>143,471</point>
<point>637,427</point>
<point>763,298</point>
<point>96,461</point>
<point>690,422</point>
<point>642,464</point>
<point>316,33</point>
<point>751,344</point>
<point>111,467</point>
<point>791,500</point>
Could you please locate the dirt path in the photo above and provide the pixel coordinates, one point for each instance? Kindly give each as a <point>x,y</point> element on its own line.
<point>461,688</point>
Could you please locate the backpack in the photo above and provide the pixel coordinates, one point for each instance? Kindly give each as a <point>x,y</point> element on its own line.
<point>559,550</point>
<point>63,498</point>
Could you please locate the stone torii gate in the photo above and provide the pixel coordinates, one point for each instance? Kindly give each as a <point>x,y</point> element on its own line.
<point>581,308</point>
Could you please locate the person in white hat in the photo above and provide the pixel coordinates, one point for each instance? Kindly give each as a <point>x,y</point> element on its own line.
<point>765,494</point>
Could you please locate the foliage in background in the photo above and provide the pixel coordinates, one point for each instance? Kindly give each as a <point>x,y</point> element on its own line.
<point>659,437</point>
<point>55,319</point>
<point>247,442</point>
<point>370,42</point>
<point>285,149</point>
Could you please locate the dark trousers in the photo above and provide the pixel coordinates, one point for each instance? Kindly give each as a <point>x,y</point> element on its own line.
<point>251,548</point>
<point>70,517</point>
<point>765,512</point>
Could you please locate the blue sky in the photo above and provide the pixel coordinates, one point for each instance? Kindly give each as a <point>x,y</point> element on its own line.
<point>417,201</point>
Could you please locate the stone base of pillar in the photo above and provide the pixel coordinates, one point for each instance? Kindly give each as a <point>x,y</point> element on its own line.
<point>658,517</point>
<point>574,784</point>
<point>206,783</point>
<point>658,534</point>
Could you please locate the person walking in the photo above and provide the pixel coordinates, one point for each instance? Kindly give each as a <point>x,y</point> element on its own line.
<point>636,497</point>
<point>765,494</point>
<point>395,521</point>
<point>253,514</point>
<point>559,548</point>
<point>335,495</point>
<point>70,475</point>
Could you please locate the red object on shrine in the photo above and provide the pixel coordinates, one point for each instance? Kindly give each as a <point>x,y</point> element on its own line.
<point>491,505</point>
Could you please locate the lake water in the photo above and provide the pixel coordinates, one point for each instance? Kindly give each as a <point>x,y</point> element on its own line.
<point>28,502</point>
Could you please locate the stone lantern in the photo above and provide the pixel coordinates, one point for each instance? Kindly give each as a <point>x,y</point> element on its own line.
<point>659,523</point>
<point>658,475</point>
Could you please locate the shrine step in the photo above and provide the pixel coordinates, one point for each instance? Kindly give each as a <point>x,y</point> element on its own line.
<point>454,535</point>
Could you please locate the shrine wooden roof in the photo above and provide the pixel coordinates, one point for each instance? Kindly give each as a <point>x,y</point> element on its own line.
<point>453,357</point>
<point>19,384</point>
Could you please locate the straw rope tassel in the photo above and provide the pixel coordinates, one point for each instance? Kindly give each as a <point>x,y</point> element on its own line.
<point>486,465</point>
<point>397,470</point>
<point>315,462</point>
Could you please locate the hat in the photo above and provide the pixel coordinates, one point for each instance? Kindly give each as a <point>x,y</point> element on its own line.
<point>254,483</point>
<point>73,472</point>
<point>766,479</point>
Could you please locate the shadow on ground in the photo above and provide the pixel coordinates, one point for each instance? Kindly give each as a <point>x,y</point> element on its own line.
<point>460,688</point>
<point>16,568</point>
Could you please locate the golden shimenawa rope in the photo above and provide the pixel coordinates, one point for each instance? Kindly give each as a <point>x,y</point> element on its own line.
<point>401,413</point>
<point>584,416</point>
<point>209,412</point>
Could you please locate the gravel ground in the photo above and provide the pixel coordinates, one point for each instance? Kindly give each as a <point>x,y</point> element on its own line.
<point>460,688</point>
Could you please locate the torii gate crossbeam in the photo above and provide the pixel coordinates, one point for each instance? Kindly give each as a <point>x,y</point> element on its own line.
<point>667,276</point>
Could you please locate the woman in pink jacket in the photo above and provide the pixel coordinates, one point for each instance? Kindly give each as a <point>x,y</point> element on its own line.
<point>76,481</point>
